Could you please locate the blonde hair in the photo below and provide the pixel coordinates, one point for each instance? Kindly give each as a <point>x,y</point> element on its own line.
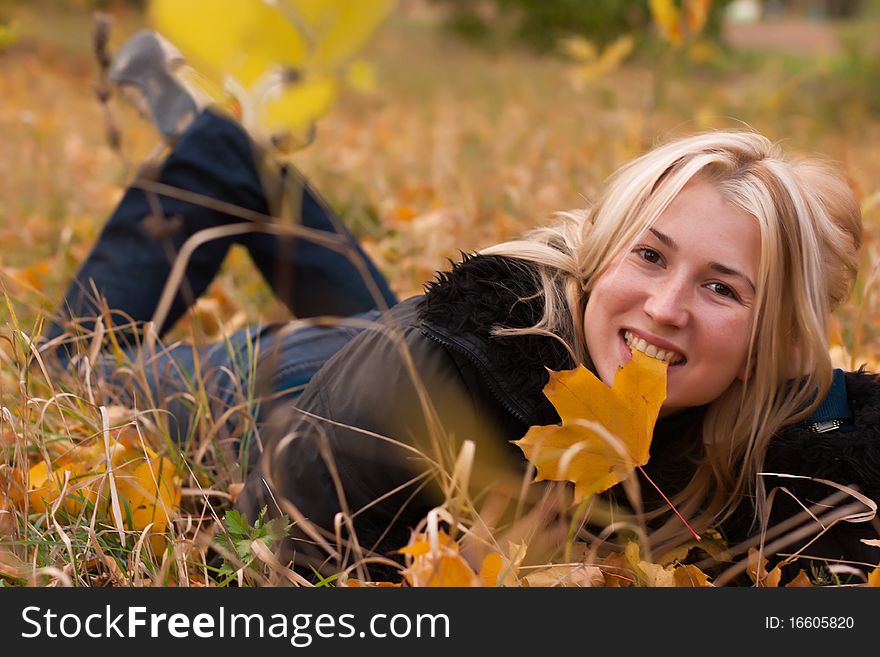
<point>810,226</point>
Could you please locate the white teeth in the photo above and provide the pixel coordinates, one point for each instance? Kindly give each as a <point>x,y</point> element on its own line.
<point>651,350</point>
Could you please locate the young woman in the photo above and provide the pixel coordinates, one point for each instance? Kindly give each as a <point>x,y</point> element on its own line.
<point>712,252</point>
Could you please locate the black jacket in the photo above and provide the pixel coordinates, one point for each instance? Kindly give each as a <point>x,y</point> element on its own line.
<point>365,430</point>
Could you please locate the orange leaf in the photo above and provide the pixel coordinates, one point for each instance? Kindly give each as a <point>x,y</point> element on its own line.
<point>800,581</point>
<point>579,450</point>
<point>440,567</point>
<point>491,569</point>
<point>695,14</point>
<point>359,584</point>
<point>874,577</point>
<point>689,576</point>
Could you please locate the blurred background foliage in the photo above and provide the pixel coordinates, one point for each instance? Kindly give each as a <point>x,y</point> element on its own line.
<point>540,25</point>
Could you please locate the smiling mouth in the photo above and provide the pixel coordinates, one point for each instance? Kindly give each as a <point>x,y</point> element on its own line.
<point>667,356</point>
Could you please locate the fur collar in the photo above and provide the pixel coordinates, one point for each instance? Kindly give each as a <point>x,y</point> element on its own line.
<point>463,305</point>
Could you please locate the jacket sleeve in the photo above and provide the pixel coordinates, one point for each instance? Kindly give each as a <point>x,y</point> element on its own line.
<point>374,435</point>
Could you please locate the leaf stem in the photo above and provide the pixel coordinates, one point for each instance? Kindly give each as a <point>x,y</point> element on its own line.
<point>671,505</point>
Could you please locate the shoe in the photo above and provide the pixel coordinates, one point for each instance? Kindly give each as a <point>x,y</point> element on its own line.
<point>146,63</point>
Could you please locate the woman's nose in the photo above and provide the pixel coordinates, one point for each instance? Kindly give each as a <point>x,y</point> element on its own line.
<point>667,303</point>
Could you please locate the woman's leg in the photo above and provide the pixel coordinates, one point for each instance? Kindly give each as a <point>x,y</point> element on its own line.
<point>310,278</point>
<point>129,266</point>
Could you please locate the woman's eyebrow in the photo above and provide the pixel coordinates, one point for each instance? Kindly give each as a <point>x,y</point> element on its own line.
<point>717,266</point>
<point>724,269</point>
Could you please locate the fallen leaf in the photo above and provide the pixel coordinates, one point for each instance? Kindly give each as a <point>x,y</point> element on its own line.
<point>360,584</point>
<point>148,485</point>
<point>801,580</point>
<point>436,566</point>
<point>758,571</point>
<point>564,576</point>
<point>658,575</point>
<point>575,450</point>
<point>874,577</point>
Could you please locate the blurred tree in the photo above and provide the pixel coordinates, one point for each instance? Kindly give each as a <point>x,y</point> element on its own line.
<point>541,24</point>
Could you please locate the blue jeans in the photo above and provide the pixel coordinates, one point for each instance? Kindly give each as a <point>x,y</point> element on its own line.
<point>129,266</point>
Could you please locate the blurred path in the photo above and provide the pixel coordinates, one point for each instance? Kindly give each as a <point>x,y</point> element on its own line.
<point>794,36</point>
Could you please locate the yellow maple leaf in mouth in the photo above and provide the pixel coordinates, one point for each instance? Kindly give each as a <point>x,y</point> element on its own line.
<point>605,432</point>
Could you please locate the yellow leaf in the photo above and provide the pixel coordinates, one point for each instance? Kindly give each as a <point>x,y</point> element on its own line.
<point>579,450</point>
<point>757,570</point>
<point>667,18</point>
<point>151,490</point>
<point>238,38</point>
<point>295,108</point>
<point>274,66</point>
<point>689,576</point>
<point>148,484</point>
<point>657,575</point>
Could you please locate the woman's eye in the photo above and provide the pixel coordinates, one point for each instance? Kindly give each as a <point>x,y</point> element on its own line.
<point>649,255</point>
<point>722,290</point>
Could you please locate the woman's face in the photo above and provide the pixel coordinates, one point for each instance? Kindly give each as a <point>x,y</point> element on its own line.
<point>684,293</point>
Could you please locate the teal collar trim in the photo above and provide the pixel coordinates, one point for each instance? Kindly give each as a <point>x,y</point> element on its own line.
<point>834,410</point>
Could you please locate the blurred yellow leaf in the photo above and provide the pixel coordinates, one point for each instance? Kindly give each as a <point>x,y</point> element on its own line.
<point>667,18</point>
<point>578,449</point>
<point>33,276</point>
<point>674,23</point>
<point>579,48</point>
<point>610,58</point>
<point>297,106</point>
<point>282,62</point>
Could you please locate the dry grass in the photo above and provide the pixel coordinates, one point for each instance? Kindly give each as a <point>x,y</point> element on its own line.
<point>457,150</point>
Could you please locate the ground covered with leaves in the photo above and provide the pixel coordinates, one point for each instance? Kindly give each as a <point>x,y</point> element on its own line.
<point>454,149</point>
